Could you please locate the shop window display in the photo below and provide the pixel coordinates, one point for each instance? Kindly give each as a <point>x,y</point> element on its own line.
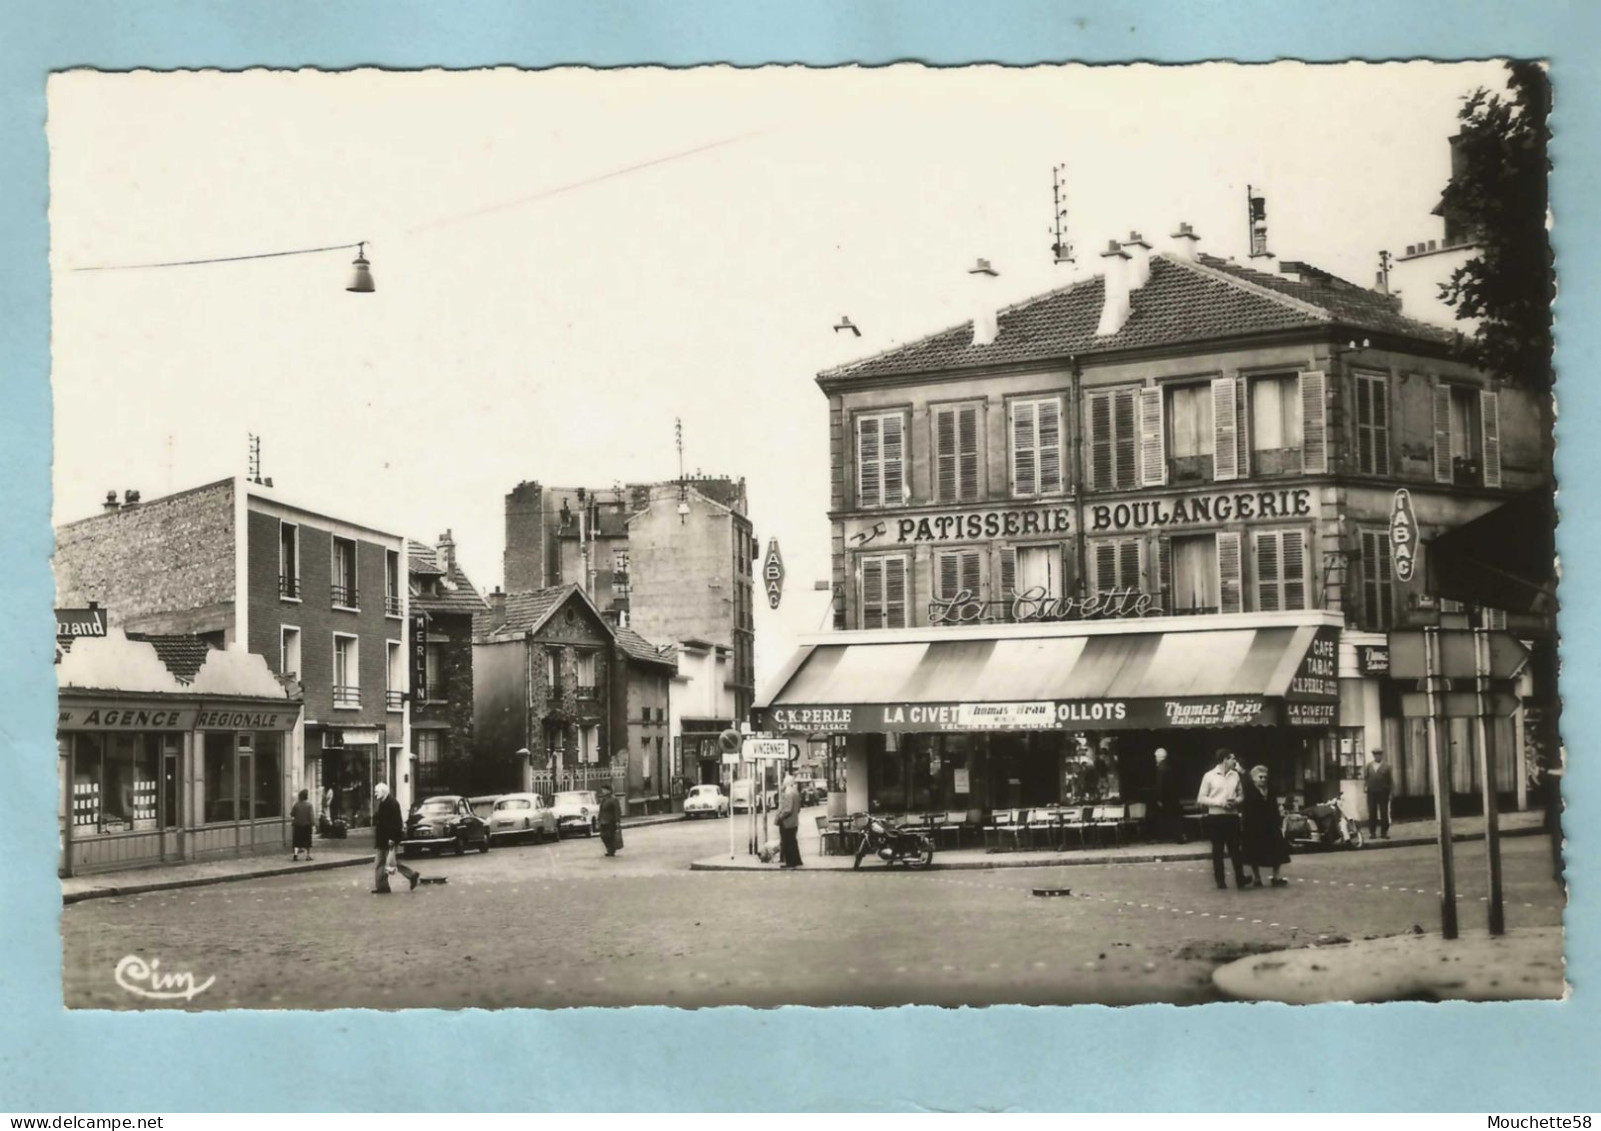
<point>114,780</point>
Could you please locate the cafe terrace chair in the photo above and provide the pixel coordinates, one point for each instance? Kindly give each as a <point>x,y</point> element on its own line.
<point>1010,825</point>
<point>830,835</point>
<point>1076,820</point>
<point>1044,824</point>
<point>1133,822</point>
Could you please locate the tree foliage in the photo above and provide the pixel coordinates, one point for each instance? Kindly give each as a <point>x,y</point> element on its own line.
<point>1498,195</point>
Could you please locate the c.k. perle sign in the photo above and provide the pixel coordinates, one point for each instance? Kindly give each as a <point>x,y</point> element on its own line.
<point>1199,510</point>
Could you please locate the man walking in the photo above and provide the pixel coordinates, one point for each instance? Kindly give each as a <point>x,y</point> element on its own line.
<point>789,807</point>
<point>389,830</point>
<point>1221,794</point>
<point>1170,813</point>
<point>1379,781</point>
<point>611,821</point>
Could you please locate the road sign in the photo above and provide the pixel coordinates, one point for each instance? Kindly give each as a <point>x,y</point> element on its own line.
<point>759,749</point>
<point>1458,704</point>
<point>1403,535</point>
<point>731,759</point>
<point>1507,655</point>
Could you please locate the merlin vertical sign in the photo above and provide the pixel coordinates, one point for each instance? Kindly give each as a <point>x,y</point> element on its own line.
<point>1403,535</point>
<point>773,574</point>
<point>419,657</point>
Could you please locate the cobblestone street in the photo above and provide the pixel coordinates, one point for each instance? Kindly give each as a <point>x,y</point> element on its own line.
<point>561,925</point>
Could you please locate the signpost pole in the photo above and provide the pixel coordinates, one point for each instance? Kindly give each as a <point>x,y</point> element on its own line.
<point>1487,766</point>
<point>1442,787</point>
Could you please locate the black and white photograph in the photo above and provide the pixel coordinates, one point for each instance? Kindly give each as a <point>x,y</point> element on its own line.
<point>966,536</point>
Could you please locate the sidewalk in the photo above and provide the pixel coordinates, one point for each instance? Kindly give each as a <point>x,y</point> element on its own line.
<point>354,850</point>
<point>1403,834</point>
<point>1523,963</point>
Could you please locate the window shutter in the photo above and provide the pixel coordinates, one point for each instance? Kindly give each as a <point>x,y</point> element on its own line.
<point>1128,565</point>
<point>1364,424</point>
<point>872,575</point>
<point>1008,580</point>
<point>969,561</point>
<point>949,575</point>
<point>1125,442</point>
<point>1153,459</point>
<point>895,592</point>
<point>945,455</point>
<point>1100,438</point>
<point>1164,571</point>
<point>1293,543</point>
<point>869,463</point>
<point>1242,428</point>
<point>1228,571</point>
<point>894,461</point>
<point>1050,446</point>
<point>1381,426</point>
<point>1314,424</point>
<point>1225,430</point>
<point>1490,423</point>
<point>1269,575</point>
<point>967,452</point>
<point>1442,433</point>
<point>1103,565</point>
<point>1024,470</point>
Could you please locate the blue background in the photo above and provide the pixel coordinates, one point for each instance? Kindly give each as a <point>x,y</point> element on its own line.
<point>1529,1057</point>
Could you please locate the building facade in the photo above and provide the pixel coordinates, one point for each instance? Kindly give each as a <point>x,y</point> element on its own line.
<point>1178,462</point>
<point>703,706</point>
<point>644,720</point>
<point>324,601</point>
<point>444,600</point>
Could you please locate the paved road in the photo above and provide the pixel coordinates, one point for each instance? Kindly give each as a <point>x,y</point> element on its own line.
<point>561,925</point>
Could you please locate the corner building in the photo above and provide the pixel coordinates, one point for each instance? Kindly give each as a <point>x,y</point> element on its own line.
<point>1148,509</point>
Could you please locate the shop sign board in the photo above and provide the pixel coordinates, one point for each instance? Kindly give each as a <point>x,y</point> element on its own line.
<point>1373,659</point>
<point>1458,704</point>
<point>1310,714</point>
<point>1317,677</point>
<point>358,738</point>
<point>1403,535</point>
<point>71,623</point>
<point>419,657</point>
<point>124,716</point>
<point>1037,605</point>
<point>773,574</point>
<point>1045,714</point>
<point>1456,660</point>
<point>765,749</point>
<point>1208,509</point>
<point>959,525</point>
<point>247,718</point>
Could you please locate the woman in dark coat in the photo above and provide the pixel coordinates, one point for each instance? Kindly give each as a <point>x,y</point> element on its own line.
<point>1262,843</point>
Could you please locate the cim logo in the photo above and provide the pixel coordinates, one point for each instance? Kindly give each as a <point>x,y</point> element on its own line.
<point>147,980</point>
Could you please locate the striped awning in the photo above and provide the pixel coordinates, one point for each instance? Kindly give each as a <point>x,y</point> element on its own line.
<point>1143,680</point>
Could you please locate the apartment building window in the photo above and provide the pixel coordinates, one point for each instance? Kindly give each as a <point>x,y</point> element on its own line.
<point>956,453</point>
<point>395,671</point>
<point>289,652</point>
<point>391,583</point>
<point>347,670</point>
<point>553,671</point>
<point>881,459</point>
<point>1113,444</point>
<point>433,669</point>
<point>1276,432</point>
<point>343,578</point>
<point>1280,570</point>
<point>1377,580</point>
<point>1034,572</point>
<point>1190,432</point>
<point>956,572</point>
<point>1196,586</point>
<point>1467,436</point>
<point>586,674</point>
<point>589,744</point>
<point>289,561</point>
<point>1116,563</point>
<point>884,585</point>
<point>1372,424</point>
<point>429,746</point>
<point>1036,446</point>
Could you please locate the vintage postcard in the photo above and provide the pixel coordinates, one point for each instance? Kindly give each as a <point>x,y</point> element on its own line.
<point>906,536</point>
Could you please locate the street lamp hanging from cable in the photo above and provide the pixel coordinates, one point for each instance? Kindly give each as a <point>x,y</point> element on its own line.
<point>361,279</point>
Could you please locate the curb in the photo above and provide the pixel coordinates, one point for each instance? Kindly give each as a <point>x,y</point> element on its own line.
<point>208,881</point>
<point>1088,861</point>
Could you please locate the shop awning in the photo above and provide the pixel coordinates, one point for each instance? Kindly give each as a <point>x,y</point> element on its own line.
<point>1505,559</point>
<point>1128,680</point>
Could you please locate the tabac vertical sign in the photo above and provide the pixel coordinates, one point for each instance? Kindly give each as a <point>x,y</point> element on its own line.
<point>419,657</point>
<point>1403,535</point>
<point>773,574</point>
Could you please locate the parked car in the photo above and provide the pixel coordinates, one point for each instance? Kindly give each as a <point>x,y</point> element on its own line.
<point>576,809</point>
<point>522,815</point>
<point>706,801</point>
<point>445,821</point>
<point>740,795</point>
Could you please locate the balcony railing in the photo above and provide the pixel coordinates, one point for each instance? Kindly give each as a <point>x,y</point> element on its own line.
<point>587,691</point>
<point>288,586</point>
<point>394,700</point>
<point>392,605</point>
<point>346,696</point>
<point>345,596</point>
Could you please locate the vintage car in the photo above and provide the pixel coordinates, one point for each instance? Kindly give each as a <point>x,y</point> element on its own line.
<point>445,822</point>
<point>576,809</point>
<point>706,801</point>
<point>522,815</point>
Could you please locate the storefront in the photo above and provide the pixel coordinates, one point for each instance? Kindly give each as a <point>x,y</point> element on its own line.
<point>1014,716</point>
<point>155,769</point>
<point>343,766</point>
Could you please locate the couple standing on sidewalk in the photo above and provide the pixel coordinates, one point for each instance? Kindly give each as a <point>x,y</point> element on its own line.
<point>1243,820</point>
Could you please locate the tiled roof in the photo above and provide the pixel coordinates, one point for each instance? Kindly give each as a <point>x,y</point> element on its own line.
<point>182,655</point>
<point>641,649</point>
<point>458,597</point>
<point>1182,302</point>
<point>527,610</point>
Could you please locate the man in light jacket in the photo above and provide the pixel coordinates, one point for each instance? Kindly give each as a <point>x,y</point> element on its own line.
<point>1221,793</point>
<point>789,807</point>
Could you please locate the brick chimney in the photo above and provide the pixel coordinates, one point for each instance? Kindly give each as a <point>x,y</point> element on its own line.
<point>497,607</point>
<point>130,499</point>
<point>986,320</point>
<point>1115,310</point>
<point>1188,244</point>
<point>111,503</point>
<point>446,549</point>
<point>1139,253</point>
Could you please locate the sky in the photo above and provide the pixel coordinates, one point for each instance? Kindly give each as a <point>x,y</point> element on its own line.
<point>568,261</point>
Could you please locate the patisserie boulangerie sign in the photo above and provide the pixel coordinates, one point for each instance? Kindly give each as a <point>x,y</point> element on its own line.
<point>1208,509</point>
<point>958,525</point>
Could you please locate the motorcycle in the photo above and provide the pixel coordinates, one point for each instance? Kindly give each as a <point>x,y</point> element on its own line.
<point>891,843</point>
<point>1319,827</point>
